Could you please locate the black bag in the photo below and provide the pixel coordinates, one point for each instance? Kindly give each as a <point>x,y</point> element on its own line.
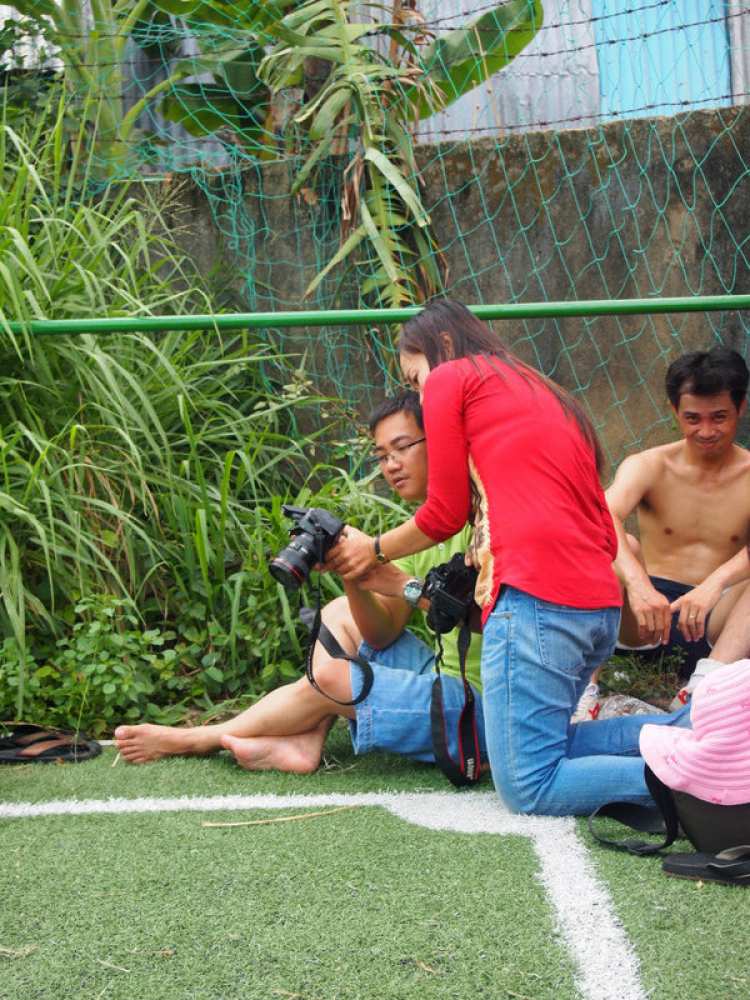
<point>720,834</point>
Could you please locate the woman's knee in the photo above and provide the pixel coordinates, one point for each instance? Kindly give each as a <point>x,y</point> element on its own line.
<point>517,788</point>
<point>514,795</point>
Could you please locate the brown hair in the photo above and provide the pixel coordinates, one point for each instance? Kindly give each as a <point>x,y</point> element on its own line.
<point>470,337</point>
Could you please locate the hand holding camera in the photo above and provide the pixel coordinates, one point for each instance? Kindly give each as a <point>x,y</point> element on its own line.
<point>448,587</point>
<point>313,534</point>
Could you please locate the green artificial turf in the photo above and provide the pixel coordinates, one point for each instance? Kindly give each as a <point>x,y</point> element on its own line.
<point>692,938</point>
<point>350,904</point>
<point>356,904</point>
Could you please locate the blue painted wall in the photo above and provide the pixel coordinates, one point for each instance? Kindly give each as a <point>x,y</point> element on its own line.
<point>661,56</point>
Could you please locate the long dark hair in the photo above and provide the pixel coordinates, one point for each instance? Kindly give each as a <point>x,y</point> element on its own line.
<point>470,337</point>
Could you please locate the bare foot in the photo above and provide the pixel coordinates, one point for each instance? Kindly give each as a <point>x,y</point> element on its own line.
<point>293,754</point>
<point>144,743</point>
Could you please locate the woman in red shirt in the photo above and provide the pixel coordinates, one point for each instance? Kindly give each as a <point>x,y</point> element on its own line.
<point>513,453</point>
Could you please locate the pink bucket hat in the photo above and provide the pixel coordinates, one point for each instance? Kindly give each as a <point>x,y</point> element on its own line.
<point>712,760</point>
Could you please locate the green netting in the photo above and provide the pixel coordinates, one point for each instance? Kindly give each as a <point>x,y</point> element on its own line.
<point>347,155</point>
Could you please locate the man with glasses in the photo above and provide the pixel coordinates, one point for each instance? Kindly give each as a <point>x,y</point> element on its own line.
<point>286,729</point>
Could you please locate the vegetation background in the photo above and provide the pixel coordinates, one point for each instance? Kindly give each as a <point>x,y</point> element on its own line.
<point>143,475</point>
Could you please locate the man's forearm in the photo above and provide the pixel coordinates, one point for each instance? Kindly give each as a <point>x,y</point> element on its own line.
<point>404,540</point>
<point>379,618</point>
<point>628,568</point>
<point>734,570</point>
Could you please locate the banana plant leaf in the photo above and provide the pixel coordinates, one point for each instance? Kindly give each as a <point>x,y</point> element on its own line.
<point>394,177</point>
<point>347,247</point>
<point>252,17</point>
<point>467,56</point>
<point>37,8</point>
<point>236,99</point>
<point>202,110</point>
<point>325,119</point>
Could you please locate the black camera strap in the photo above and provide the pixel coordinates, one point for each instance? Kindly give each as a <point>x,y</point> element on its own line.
<point>660,819</point>
<point>319,632</point>
<point>466,770</point>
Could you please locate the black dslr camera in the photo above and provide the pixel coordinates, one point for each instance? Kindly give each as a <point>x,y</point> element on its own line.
<point>314,533</point>
<point>450,591</point>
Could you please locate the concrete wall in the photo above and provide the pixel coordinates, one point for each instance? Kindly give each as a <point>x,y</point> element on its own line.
<point>644,207</point>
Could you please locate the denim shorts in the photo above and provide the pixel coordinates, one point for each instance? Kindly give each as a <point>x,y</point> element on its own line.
<point>692,651</point>
<point>395,715</point>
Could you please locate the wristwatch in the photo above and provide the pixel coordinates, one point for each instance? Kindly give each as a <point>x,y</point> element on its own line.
<point>413,591</point>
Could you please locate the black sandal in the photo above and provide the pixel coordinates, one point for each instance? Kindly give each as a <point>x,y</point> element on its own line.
<point>22,734</point>
<point>730,867</point>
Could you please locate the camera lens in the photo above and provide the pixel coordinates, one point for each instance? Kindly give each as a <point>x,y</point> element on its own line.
<point>291,567</point>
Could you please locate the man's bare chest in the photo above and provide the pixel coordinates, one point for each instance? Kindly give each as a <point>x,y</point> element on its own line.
<point>690,510</point>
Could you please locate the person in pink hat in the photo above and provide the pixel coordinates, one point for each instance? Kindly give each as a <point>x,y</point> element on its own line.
<point>711,761</point>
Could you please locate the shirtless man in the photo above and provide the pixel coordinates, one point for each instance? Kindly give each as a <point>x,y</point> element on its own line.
<point>287,728</point>
<point>692,499</point>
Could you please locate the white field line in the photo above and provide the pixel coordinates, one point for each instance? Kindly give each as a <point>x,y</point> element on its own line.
<point>608,968</point>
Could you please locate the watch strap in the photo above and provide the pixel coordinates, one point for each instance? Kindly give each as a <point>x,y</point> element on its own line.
<point>378,554</point>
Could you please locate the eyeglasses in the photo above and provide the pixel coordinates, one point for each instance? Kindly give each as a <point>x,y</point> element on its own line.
<point>397,453</point>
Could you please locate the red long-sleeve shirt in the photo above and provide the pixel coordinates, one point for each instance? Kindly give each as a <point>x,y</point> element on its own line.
<point>505,455</point>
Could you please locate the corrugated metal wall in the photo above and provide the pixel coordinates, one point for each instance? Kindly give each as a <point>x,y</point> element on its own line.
<point>591,61</point>
<point>553,83</point>
<point>738,19</point>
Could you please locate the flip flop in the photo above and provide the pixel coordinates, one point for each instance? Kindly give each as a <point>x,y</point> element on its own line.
<point>58,747</point>
<point>730,867</point>
<point>22,734</point>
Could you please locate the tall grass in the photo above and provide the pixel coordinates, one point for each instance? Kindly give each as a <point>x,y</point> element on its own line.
<point>147,467</point>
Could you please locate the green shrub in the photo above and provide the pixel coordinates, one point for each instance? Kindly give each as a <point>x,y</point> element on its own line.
<point>141,474</point>
<point>110,665</point>
<point>134,465</point>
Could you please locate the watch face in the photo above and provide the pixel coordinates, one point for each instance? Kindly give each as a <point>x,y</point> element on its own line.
<point>413,591</point>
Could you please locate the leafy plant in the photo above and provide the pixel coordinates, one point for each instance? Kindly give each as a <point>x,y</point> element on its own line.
<point>107,669</point>
<point>380,80</point>
<point>654,679</point>
<point>232,99</point>
<point>132,465</point>
<point>111,664</point>
<point>24,89</point>
<point>116,662</point>
<point>91,40</point>
<point>363,76</point>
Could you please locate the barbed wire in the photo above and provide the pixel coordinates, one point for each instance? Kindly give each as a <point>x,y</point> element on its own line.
<point>196,30</point>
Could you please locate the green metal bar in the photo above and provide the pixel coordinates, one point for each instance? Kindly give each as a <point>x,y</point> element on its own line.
<point>363,317</point>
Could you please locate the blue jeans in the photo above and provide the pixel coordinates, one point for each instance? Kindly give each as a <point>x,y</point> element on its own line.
<point>537,658</point>
<point>395,715</point>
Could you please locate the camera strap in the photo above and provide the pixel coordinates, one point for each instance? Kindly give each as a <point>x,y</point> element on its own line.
<point>319,632</point>
<point>466,770</point>
<point>661,819</point>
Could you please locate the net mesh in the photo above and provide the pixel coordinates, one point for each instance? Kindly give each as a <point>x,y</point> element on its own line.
<point>364,154</point>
